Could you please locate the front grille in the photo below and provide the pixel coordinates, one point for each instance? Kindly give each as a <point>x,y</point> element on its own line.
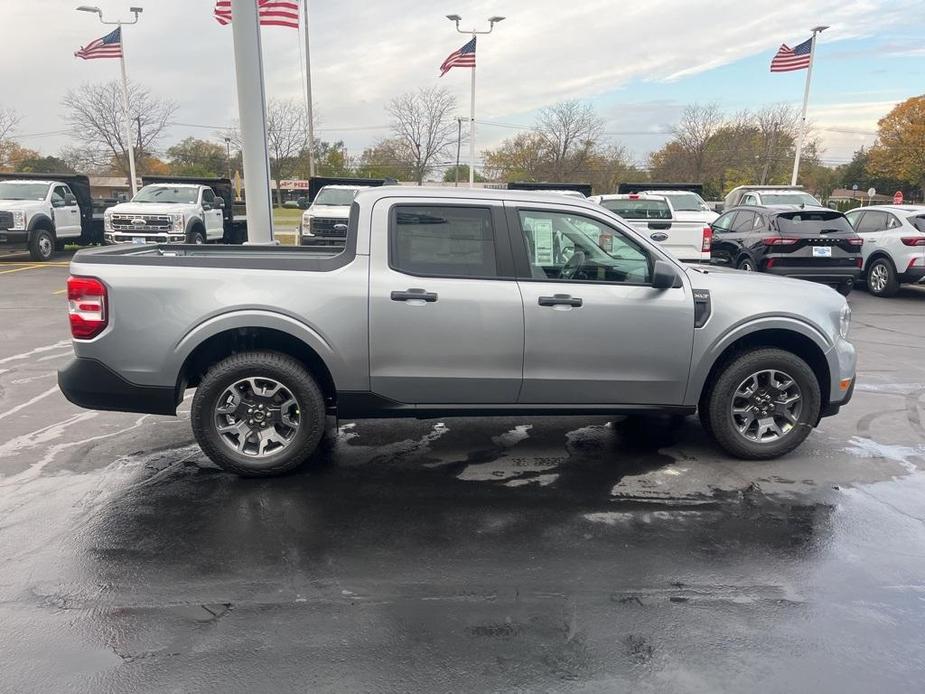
<point>151,223</point>
<point>324,226</point>
<point>6,220</point>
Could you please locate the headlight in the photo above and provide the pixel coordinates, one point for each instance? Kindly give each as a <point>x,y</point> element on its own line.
<point>107,222</point>
<point>844,321</point>
<point>19,221</point>
<point>177,222</point>
<point>306,223</point>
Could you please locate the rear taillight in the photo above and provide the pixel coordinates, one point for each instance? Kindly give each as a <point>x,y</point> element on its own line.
<point>855,242</point>
<point>913,240</point>
<point>707,243</point>
<point>86,307</point>
<point>778,241</point>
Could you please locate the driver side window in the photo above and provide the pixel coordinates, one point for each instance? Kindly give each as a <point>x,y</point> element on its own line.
<point>572,248</point>
<point>58,196</point>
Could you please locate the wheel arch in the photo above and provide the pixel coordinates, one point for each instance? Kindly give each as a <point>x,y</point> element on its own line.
<point>42,222</point>
<point>195,224</point>
<point>797,340</point>
<point>248,331</point>
<point>876,255</point>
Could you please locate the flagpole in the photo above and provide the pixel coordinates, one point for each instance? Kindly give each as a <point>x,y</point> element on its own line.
<point>802,133</point>
<point>472,129</point>
<point>491,25</point>
<point>133,181</point>
<point>308,96</point>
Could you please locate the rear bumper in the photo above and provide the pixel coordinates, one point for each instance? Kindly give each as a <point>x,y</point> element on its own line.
<point>912,275</point>
<point>93,385</point>
<point>833,275</point>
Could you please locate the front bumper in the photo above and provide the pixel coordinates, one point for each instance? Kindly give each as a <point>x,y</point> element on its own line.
<point>91,384</point>
<point>113,237</point>
<point>14,238</point>
<point>843,365</point>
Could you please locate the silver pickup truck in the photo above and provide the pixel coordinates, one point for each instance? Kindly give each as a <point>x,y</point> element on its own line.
<point>451,303</point>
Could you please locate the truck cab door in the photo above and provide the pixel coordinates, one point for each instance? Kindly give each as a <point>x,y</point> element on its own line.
<point>213,216</point>
<point>66,212</point>
<point>446,323</point>
<point>595,329</point>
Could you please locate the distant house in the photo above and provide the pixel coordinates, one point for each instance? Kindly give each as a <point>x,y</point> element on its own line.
<point>847,195</point>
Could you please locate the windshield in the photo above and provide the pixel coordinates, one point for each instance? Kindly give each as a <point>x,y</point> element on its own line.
<point>687,202</point>
<point>11,190</point>
<point>812,223</point>
<point>169,194</point>
<point>788,199</point>
<point>336,196</point>
<point>638,209</point>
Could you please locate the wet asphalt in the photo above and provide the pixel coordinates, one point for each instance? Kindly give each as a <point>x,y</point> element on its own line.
<point>522,554</point>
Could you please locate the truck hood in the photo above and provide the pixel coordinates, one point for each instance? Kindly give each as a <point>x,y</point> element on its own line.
<point>152,208</point>
<point>336,211</point>
<point>26,205</point>
<point>787,289</point>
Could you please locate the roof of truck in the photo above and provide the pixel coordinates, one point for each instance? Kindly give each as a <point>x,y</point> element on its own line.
<point>164,184</point>
<point>28,182</point>
<point>379,193</point>
<point>345,186</point>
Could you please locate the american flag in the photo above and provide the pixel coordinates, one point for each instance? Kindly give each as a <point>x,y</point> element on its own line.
<point>279,13</point>
<point>464,57</point>
<point>788,59</point>
<point>110,46</point>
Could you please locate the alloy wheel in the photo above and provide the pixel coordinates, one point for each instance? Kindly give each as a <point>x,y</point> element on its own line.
<point>766,406</point>
<point>879,276</point>
<point>257,417</point>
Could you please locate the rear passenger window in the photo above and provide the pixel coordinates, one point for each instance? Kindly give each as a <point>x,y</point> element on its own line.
<point>442,241</point>
<point>872,220</point>
<point>745,221</point>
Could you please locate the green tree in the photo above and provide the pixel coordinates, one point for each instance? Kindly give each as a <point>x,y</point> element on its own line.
<point>47,164</point>
<point>195,157</point>
<point>388,158</point>
<point>450,175</point>
<point>899,152</point>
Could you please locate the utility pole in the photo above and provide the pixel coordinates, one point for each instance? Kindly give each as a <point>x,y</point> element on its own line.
<point>252,115</point>
<point>126,121</point>
<point>458,146</point>
<point>491,25</point>
<point>809,77</point>
<point>140,148</point>
<point>308,94</point>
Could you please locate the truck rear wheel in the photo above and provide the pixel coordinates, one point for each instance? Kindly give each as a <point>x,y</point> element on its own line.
<point>41,245</point>
<point>763,404</point>
<point>258,414</point>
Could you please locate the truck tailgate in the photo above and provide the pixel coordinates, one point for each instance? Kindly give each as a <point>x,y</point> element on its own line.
<point>684,240</point>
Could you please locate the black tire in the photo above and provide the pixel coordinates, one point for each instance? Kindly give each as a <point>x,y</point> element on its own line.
<point>196,236</point>
<point>881,278</point>
<point>844,288</point>
<point>285,370</point>
<point>42,245</point>
<point>746,264</point>
<point>720,399</point>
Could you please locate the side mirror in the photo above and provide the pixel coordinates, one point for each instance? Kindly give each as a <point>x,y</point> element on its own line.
<point>664,275</point>
<point>70,200</point>
<point>302,203</point>
<point>219,202</point>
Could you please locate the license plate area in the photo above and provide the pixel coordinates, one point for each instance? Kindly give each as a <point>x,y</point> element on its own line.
<point>139,240</point>
<point>822,251</point>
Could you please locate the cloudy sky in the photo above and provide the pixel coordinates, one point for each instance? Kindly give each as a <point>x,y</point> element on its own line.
<point>639,63</point>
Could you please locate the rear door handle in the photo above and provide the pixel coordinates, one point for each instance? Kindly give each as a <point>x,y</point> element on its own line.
<point>560,300</point>
<point>415,295</point>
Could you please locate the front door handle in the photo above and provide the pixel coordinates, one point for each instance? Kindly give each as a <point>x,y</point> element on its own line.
<point>415,295</point>
<point>560,300</point>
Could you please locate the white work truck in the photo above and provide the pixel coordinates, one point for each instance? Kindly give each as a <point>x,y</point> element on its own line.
<point>167,213</point>
<point>324,223</point>
<point>41,215</point>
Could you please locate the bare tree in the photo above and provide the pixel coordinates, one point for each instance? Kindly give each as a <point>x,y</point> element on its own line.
<point>777,126</point>
<point>694,131</point>
<point>9,119</point>
<point>424,125</point>
<point>570,132</point>
<point>96,115</point>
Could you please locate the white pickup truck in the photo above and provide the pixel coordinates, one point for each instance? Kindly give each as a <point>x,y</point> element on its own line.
<point>687,240</point>
<point>769,195</point>
<point>167,212</point>
<point>42,215</point>
<point>324,223</point>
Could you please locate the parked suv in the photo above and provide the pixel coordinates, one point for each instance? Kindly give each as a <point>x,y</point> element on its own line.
<point>894,245</point>
<point>808,243</point>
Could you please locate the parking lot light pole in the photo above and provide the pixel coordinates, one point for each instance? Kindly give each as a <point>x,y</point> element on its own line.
<point>473,32</point>
<point>126,120</point>
<point>802,133</point>
<point>252,114</point>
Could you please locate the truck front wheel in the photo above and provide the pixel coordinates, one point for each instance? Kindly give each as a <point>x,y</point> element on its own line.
<point>41,245</point>
<point>258,414</point>
<point>763,404</point>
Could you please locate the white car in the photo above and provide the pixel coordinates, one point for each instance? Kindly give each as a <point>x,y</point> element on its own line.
<point>651,214</point>
<point>894,245</point>
<point>769,195</point>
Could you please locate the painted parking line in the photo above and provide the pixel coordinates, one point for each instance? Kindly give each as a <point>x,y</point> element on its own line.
<point>60,291</point>
<point>20,269</point>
